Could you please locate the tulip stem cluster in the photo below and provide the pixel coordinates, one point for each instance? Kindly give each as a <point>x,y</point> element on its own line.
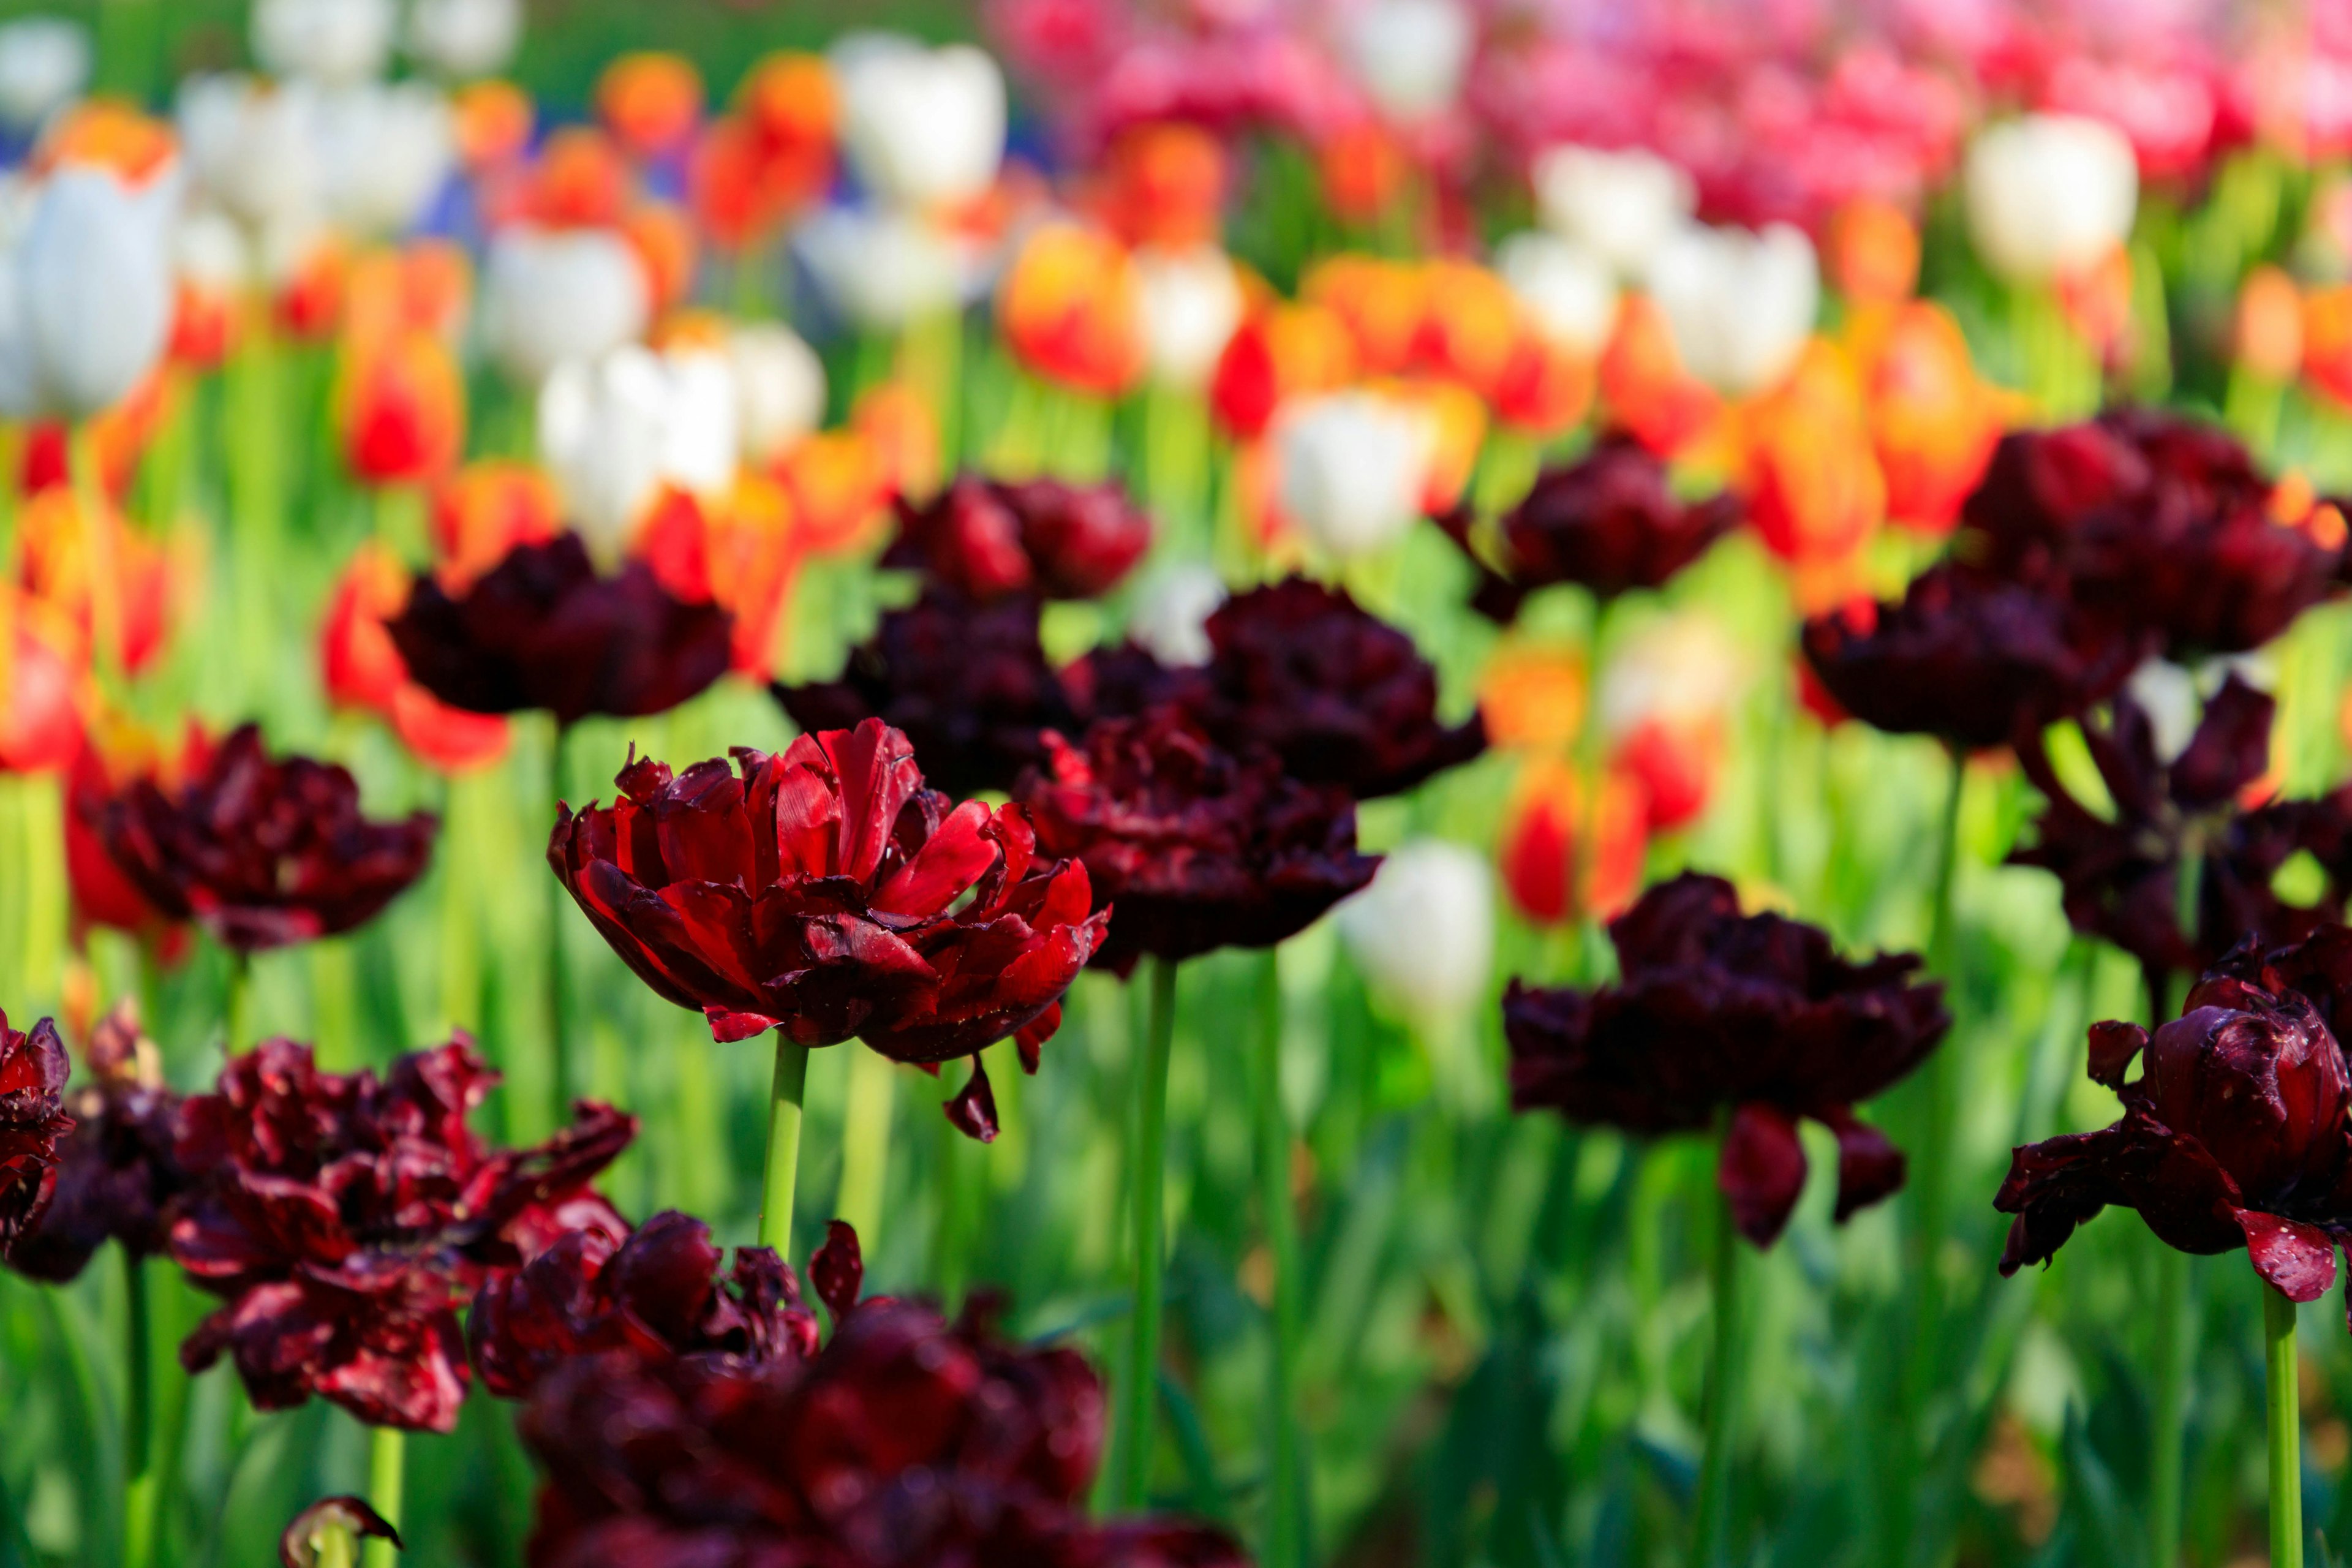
<point>1145,1181</point>
<point>387,1457</point>
<point>1713,1507</point>
<point>2176,1355</point>
<point>781,1171</point>
<point>2285,1429</point>
<point>139,1474</point>
<point>1286,1540</point>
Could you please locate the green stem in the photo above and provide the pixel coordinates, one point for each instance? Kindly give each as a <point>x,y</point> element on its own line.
<point>91,507</point>
<point>2175,1351</point>
<point>559,1042</point>
<point>865,1143</point>
<point>235,1021</point>
<point>784,1163</point>
<point>387,1451</point>
<point>1285,1538</point>
<point>1714,1506</point>
<point>1145,1183</point>
<point>2285,1430</point>
<point>138,1416</point>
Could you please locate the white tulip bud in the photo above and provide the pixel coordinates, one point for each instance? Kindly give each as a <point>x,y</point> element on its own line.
<point>2048,193</point>
<point>551,297</point>
<point>920,126</point>
<point>1742,303</point>
<point>614,431</point>
<point>252,148</point>
<point>1410,55</point>
<point>43,64</point>
<point>1188,303</point>
<point>1353,467</point>
<point>1564,287</point>
<point>463,39</point>
<point>878,270</point>
<point>388,153</point>
<point>1621,206</point>
<point>779,389</point>
<point>1423,932</point>
<point>335,42</point>
<point>86,297</point>
<point>1172,607</point>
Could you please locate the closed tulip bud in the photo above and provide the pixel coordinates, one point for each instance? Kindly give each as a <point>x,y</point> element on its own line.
<point>1681,666</point>
<point>44,66</point>
<point>922,126</point>
<point>1190,303</point>
<point>1172,613</point>
<point>386,152</point>
<point>86,297</point>
<point>1410,55</point>
<point>650,102</point>
<point>463,39</point>
<point>779,389</point>
<point>1742,303</point>
<point>335,42</point>
<point>403,407</point>
<point>2268,332</point>
<point>1423,932</point>
<point>1072,310</point>
<point>1564,287</point>
<point>2048,194</point>
<point>1353,465</point>
<point>250,147</point>
<point>614,431</point>
<point>547,297</point>
<point>1623,207</point>
<point>877,270</point>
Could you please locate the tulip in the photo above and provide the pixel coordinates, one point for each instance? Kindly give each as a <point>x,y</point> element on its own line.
<point>1683,668</point>
<point>878,270</point>
<point>118,1172</point>
<point>1625,207</point>
<point>1166,183</point>
<point>779,389</point>
<point>1063,541</point>
<point>1353,465</point>
<point>923,127</point>
<point>484,510</point>
<point>2048,194</point>
<point>336,43</point>
<point>2267,330</point>
<point>1411,54</point>
<point>464,39</point>
<point>402,407</point>
<point>40,724</point>
<point>251,149</point>
<point>1741,304</point>
<point>1873,253</point>
<point>103,767</point>
<point>581,180</point>
<point>86,297</point>
<point>547,297</point>
<point>1071,307</point>
<point>1189,303</point>
<point>1565,287</point>
<point>495,121</point>
<point>1933,423</point>
<point>1288,351</point>
<point>213,264</point>
<point>43,64</point>
<point>1531,698</point>
<point>1425,930</point>
<point>1646,389</point>
<point>32,1119</point>
<point>1385,304</point>
<point>1566,852</point>
<point>651,102</point>
<point>616,430</point>
<point>384,152</point>
<point>1814,488</point>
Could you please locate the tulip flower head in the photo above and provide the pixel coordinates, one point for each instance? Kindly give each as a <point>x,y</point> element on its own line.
<point>614,431</point>
<point>33,1069</point>
<point>1072,310</point>
<point>86,296</point>
<point>263,852</point>
<point>1716,1013</point>
<point>1567,289</point>
<point>45,64</point>
<point>779,389</point>
<point>923,127</point>
<point>1424,932</point>
<point>1410,55</point>
<point>1170,620</point>
<point>985,538</point>
<point>877,270</point>
<point>118,1170</point>
<point>1188,304</point>
<point>334,43</point>
<point>1741,304</point>
<point>344,1218</point>
<point>549,298</point>
<point>2048,194</point>
<point>464,40</point>
<point>1625,207</point>
<point>1353,467</point>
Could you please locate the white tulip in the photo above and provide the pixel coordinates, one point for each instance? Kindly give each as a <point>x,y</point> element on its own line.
<point>1410,55</point>
<point>1423,932</point>
<point>1621,206</point>
<point>921,126</point>
<point>336,42</point>
<point>779,389</point>
<point>210,251</point>
<point>550,297</point>
<point>44,66</point>
<point>386,150</point>
<point>616,430</point>
<point>1171,618</point>
<point>1682,666</point>
<point>86,297</point>
<point>878,270</point>
<point>2048,193</point>
<point>1566,287</point>
<point>1189,302</point>
<point>462,40</point>
<point>1353,465</point>
<point>1742,303</point>
<point>251,147</point>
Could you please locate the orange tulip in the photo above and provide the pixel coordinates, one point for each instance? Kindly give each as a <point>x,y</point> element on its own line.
<point>581,180</point>
<point>2327,340</point>
<point>357,663</point>
<point>664,238</point>
<point>741,189</point>
<point>1545,386</point>
<point>1873,254</point>
<point>1456,421</point>
<point>2268,331</point>
<point>840,488</point>
<point>897,421</point>
<point>1676,760</point>
<point>1644,386</point>
<point>742,554</point>
<point>120,437</point>
<point>109,133</point>
<point>1532,697</point>
<point>1362,172</point>
<point>401,405</point>
<point>1069,309</point>
<point>1934,423</point>
<point>1383,304</point>
<point>422,288</point>
<point>56,546</point>
<point>1561,856</point>
<point>495,119</point>
<point>448,740</point>
<point>40,723</point>
<point>204,324</point>
<point>789,101</point>
<point>1165,185</point>
<point>1814,487</point>
<point>1285,352</point>
<point>1471,325</point>
<point>484,510</point>
<point>651,102</point>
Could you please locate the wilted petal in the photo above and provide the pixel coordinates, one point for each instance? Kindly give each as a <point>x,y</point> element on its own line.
<point>1870,1168</point>
<point>973,1109</point>
<point>1761,1171</point>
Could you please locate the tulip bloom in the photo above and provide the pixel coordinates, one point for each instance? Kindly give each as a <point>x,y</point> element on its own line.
<point>1070,306</point>
<point>1623,207</point>
<point>551,297</point>
<point>261,852</point>
<point>360,668</point>
<point>985,538</point>
<point>2233,1134</point>
<point>2047,195</point>
<point>1934,425</point>
<point>658,1293</point>
<point>1720,1011</point>
<point>1566,852</point>
<point>650,102</point>
<point>1423,932</point>
<point>402,407</point>
<point>33,1069</point>
<point>484,510</point>
<point>1975,661</point>
<point>967,684</point>
<point>541,629</point>
<point>118,1170</point>
<point>1198,848</point>
<point>923,127</point>
<point>1284,353</point>
<point>344,1217</point>
<point>821,894</point>
<point>86,296</point>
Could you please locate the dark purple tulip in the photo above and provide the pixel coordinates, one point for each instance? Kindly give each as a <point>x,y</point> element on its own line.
<point>263,852</point>
<point>118,1170</point>
<point>33,1069</point>
<point>344,1521</point>
<point>1198,848</point>
<point>541,629</point>
<point>2234,1135</point>
<point>985,538</point>
<point>967,683</point>
<point>1718,1012</point>
<point>1970,659</point>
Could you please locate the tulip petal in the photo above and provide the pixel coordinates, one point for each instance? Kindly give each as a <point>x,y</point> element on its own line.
<point>1761,1171</point>
<point>728,1025</point>
<point>1870,1168</point>
<point>2113,1047</point>
<point>2296,1259</point>
<point>2230,750</point>
<point>973,1109</point>
<point>837,1270</point>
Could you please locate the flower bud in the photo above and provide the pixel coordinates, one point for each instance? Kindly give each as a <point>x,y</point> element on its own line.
<point>922,126</point>
<point>2048,194</point>
<point>1423,932</point>
<point>1742,303</point>
<point>44,66</point>
<point>1624,208</point>
<point>779,389</point>
<point>1189,303</point>
<point>1410,55</point>
<point>1352,465</point>
<point>333,42</point>
<point>614,431</point>
<point>464,39</point>
<point>547,297</point>
<point>86,297</point>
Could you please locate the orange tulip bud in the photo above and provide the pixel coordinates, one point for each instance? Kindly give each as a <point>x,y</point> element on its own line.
<point>650,102</point>
<point>1677,761</point>
<point>1471,326</point>
<point>790,102</point>
<point>109,133</point>
<point>40,722</point>
<point>485,510</point>
<point>1873,254</point>
<point>1069,309</point>
<point>309,305</point>
<point>401,405</point>
<point>1644,386</point>
<point>60,554</point>
<point>663,237</point>
<point>1362,171</point>
<point>1384,304</point>
<point>1814,487</point>
<point>1532,697</point>
<point>581,180</point>
<point>1933,421</point>
<point>2327,340</point>
<point>1166,186</point>
<point>494,124</point>
<point>1562,856</point>
<point>840,490</point>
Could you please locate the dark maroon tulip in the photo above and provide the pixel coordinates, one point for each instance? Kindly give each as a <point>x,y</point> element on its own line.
<point>1340,695</point>
<point>263,852</point>
<point>541,629</point>
<point>33,1069</point>
<point>2158,523</point>
<point>1609,522</point>
<point>967,683</point>
<point>118,1169</point>
<point>2233,1135</point>
<point>659,1293</point>
<point>346,1218</point>
<point>907,1442</point>
<point>344,1521</point>
<point>827,894</point>
<point>2121,869</point>
<point>1967,658</point>
<point>1716,1013</point>
<point>1197,847</point>
<point>985,538</point>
